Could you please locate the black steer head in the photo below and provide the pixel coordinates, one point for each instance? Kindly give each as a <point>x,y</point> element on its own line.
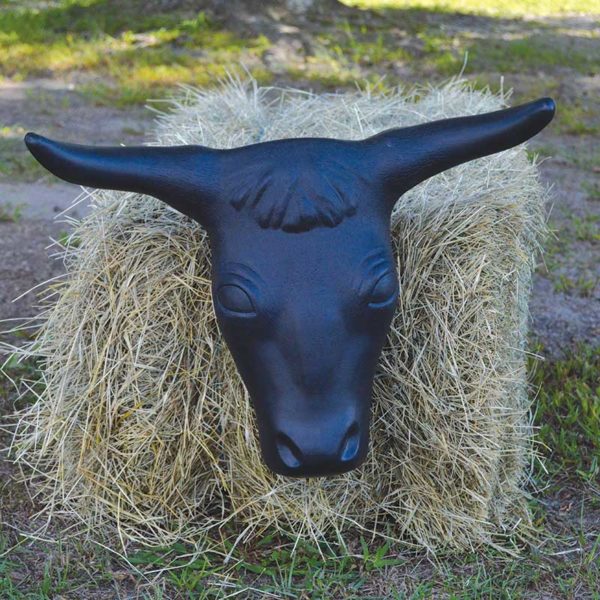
<point>304,285</point>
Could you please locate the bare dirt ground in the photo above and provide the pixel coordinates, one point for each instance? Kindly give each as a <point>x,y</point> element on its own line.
<point>563,319</point>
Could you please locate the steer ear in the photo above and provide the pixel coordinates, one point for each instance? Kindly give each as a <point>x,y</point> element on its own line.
<point>402,158</point>
<point>182,176</point>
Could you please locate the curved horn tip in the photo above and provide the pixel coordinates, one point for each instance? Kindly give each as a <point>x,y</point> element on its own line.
<point>547,107</point>
<point>33,140</point>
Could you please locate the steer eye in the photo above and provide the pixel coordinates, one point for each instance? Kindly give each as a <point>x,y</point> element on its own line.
<point>384,291</point>
<point>235,299</point>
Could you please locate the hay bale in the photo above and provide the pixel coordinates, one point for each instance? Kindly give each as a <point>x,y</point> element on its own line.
<point>143,426</point>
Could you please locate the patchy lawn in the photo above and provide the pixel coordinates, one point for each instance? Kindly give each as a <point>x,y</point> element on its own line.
<point>517,8</point>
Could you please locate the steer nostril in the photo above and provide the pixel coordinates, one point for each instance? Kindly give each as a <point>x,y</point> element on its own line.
<point>350,444</point>
<point>288,451</point>
<point>316,455</point>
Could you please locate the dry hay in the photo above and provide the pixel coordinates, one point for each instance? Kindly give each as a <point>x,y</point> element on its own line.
<point>143,426</point>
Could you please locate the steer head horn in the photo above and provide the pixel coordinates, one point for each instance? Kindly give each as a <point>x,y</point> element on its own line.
<point>405,157</point>
<point>183,176</point>
<point>304,283</point>
<point>191,178</point>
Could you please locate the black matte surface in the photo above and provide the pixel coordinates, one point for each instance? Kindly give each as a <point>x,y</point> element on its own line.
<point>304,285</point>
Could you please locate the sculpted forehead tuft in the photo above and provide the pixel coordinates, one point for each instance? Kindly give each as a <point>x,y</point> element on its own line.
<point>298,199</point>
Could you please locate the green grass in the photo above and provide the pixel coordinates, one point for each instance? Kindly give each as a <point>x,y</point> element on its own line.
<point>575,119</point>
<point>47,572</point>
<point>533,46</point>
<point>592,189</point>
<point>543,151</point>
<point>582,286</point>
<point>586,159</point>
<point>533,52</point>
<point>357,46</point>
<point>132,53</point>
<point>567,412</point>
<point>272,567</point>
<point>372,571</point>
<point>16,163</point>
<point>584,228</point>
<point>10,213</point>
<point>569,263</point>
<point>587,229</point>
<point>486,7</point>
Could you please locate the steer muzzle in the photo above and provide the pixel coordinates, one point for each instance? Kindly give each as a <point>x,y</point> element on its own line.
<point>316,448</point>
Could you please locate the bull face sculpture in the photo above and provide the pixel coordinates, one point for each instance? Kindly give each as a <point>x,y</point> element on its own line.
<point>304,285</point>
